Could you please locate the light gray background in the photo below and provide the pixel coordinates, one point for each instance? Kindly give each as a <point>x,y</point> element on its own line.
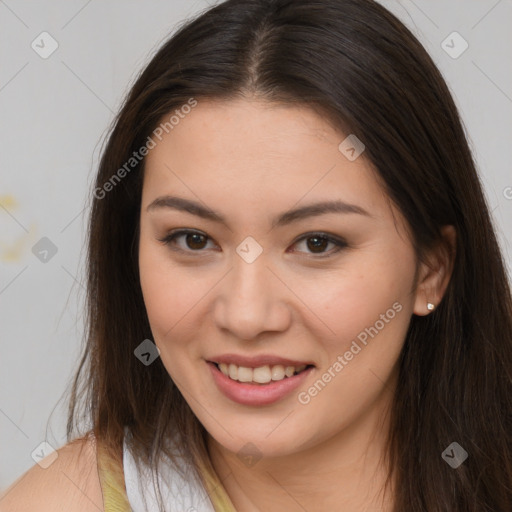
<point>54,114</point>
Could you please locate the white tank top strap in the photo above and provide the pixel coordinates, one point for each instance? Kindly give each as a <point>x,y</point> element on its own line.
<point>179,493</point>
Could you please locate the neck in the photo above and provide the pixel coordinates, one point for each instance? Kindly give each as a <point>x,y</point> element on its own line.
<point>346,471</point>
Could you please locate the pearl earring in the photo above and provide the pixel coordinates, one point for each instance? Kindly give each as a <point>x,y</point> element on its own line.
<point>430,306</point>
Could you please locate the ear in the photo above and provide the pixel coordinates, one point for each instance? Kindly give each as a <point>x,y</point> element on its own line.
<point>434,275</point>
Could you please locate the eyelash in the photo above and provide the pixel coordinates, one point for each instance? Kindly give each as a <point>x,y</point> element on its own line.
<point>341,244</point>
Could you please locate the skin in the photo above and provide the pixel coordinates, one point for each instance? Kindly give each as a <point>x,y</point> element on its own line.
<point>71,482</point>
<point>251,160</point>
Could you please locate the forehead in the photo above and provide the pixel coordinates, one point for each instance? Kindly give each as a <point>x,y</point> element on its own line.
<point>244,152</point>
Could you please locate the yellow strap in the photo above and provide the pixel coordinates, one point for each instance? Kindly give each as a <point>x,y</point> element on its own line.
<point>217,492</point>
<point>112,483</point>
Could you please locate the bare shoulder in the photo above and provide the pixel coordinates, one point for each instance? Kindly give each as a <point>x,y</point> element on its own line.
<point>69,483</point>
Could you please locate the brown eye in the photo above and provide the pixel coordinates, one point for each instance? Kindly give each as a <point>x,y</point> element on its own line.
<point>316,243</point>
<point>194,241</point>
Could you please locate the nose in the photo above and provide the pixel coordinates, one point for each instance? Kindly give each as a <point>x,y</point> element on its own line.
<point>252,300</point>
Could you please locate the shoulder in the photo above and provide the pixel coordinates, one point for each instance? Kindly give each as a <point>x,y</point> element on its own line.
<point>69,483</point>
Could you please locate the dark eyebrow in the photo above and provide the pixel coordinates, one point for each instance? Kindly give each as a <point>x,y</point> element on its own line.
<point>312,210</point>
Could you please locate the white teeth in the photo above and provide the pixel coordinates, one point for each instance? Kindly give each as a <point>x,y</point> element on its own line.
<point>289,370</point>
<point>244,374</point>
<point>233,371</point>
<point>277,372</point>
<point>260,375</point>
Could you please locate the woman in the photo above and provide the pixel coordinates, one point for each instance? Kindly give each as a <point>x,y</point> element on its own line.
<point>296,296</point>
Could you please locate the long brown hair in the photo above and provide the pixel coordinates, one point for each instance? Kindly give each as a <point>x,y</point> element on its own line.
<point>359,66</point>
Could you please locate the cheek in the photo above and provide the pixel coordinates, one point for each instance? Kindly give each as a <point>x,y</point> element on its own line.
<point>369,312</point>
<point>366,295</point>
<point>174,300</point>
<point>164,289</point>
<point>168,298</point>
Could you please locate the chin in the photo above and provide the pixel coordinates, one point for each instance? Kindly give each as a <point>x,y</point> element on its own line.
<point>258,442</point>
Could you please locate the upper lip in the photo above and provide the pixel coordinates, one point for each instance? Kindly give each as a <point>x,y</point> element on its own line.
<point>257,361</point>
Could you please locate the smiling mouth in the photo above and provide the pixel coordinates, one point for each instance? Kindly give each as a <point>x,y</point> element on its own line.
<point>262,375</point>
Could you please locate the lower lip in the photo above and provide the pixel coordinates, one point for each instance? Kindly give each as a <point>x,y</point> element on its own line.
<point>257,394</point>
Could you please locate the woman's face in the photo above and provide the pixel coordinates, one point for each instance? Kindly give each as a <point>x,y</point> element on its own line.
<point>261,288</point>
